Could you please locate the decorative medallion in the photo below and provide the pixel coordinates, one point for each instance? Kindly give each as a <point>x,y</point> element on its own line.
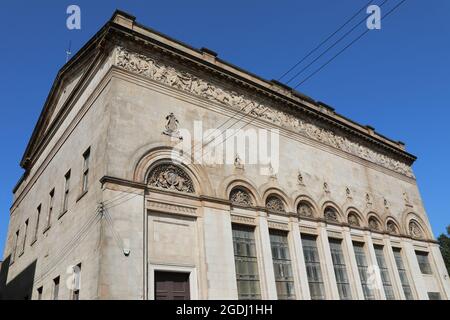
<point>171,177</point>
<point>172,127</point>
<point>348,192</point>
<point>373,224</point>
<point>304,209</point>
<point>274,203</point>
<point>326,188</point>
<point>330,214</point>
<point>240,197</point>
<point>238,162</point>
<point>300,179</point>
<point>391,227</point>
<point>414,230</point>
<point>353,219</point>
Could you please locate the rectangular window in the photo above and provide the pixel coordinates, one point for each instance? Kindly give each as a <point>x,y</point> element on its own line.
<point>85,179</point>
<point>361,262</point>
<point>25,236</point>
<point>434,296</point>
<point>76,282</point>
<point>424,263</point>
<point>340,269</point>
<point>50,206</point>
<point>56,288</point>
<point>402,273</point>
<point>36,227</point>
<point>39,293</point>
<point>384,272</point>
<point>313,270</point>
<point>282,267</point>
<point>66,191</point>
<point>246,263</point>
<point>16,243</point>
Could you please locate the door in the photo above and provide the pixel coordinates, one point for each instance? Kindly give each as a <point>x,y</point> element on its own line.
<point>171,285</point>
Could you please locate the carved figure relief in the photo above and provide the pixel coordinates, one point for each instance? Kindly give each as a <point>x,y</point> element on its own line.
<point>172,127</point>
<point>373,224</point>
<point>391,227</point>
<point>414,230</point>
<point>304,209</point>
<point>353,219</point>
<point>171,177</point>
<point>274,203</point>
<point>240,197</point>
<point>330,214</point>
<point>185,81</point>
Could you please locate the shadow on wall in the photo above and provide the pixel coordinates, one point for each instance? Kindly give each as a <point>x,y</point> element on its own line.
<point>19,288</point>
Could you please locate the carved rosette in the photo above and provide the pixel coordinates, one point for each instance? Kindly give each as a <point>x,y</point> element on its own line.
<point>240,197</point>
<point>170,177</point>
<point>391,227</point>
<point>304,209</point>
<point>414,230</point>
<point>186,81</point>
<point>274,203</point>
<point>330,214</point>
<point>374,224</point>
<point>353,219</point>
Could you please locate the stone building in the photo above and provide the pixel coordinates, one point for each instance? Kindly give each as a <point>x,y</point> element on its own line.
<point>110,207</point>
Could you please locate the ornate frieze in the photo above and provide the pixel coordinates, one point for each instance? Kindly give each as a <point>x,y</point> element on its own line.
<point>241,198</point>
<point>171,177</point>
<point>185,81</point>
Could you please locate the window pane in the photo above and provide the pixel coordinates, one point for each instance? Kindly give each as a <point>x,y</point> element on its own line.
<point>282,265</point>
<point>340,269</point>
<point>313,270</point>
<point>246,263</point>
<point>424,263</point>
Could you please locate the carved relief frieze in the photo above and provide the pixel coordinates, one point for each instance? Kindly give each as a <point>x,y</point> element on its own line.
<point>171,177</point>
<point>148,67</point>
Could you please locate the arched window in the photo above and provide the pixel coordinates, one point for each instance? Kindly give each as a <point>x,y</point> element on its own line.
<point>353,219</point>
<point>374,224</point>
<point>274,203</point>
<point>330,214</point>
<point>241,197</point>
<point>415,230</point>
<point>171,177</point>
<point>305,209</point>
<point>391,227</point>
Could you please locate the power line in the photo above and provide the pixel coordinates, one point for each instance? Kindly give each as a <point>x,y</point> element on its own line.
<point>324,41</point>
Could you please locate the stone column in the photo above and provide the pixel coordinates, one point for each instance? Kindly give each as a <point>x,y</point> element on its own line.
<point>298,261</point>
<point>442,274</point>
<point>219,255</point>
<point>413,265</point>
<point>352,268</point>
<point>267,276</point>
<point>392,265</point>
<point>328,270</point>
<point>372,261</point>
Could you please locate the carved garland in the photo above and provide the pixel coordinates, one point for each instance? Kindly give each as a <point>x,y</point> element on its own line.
<point>148,67</point>
<point>171,177</point>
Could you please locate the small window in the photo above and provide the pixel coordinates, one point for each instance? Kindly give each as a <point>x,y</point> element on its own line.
<point>39,293</point>
<point>16,243</point>
<point>36,227</point>
<point>76,282</point>
<point>66,191</point>
<point>56,288</point>
<point>50,207</point>
<point>424,263</point>
<point>85,179</point>
<point>434,296</point>
<point>25,236</point>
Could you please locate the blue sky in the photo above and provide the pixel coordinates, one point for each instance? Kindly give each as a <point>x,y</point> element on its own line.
<point>396,79</point>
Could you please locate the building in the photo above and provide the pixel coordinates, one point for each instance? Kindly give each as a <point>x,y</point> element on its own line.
<point>110,206</point>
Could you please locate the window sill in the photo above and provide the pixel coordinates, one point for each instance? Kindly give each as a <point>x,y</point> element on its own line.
<point>61,214</point>
<point>46,229</point>
<point>81,195</point>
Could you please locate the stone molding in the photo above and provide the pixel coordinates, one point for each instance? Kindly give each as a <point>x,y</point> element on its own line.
<point>185,81</point>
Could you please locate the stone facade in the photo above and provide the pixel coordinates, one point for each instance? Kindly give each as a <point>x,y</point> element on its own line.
<point>125,204</point>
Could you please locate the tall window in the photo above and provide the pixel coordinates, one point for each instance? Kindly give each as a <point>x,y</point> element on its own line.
<point>312,261</point>
<point>56,288</point>
<point>66,191</point>
<point>246,263</point>
<point>340,269</point>
<point>50,206</point>
<point>282,265</point>
<point>16,243</point>
<point>385,278</point>
<point>403,274</point>
<point>39,293</point>
<point>86,157</point>
<point>361,262</point>
<point>424,263</point>
<point>25,236</point>
<point>76,282</point>
<point>36,227</point>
